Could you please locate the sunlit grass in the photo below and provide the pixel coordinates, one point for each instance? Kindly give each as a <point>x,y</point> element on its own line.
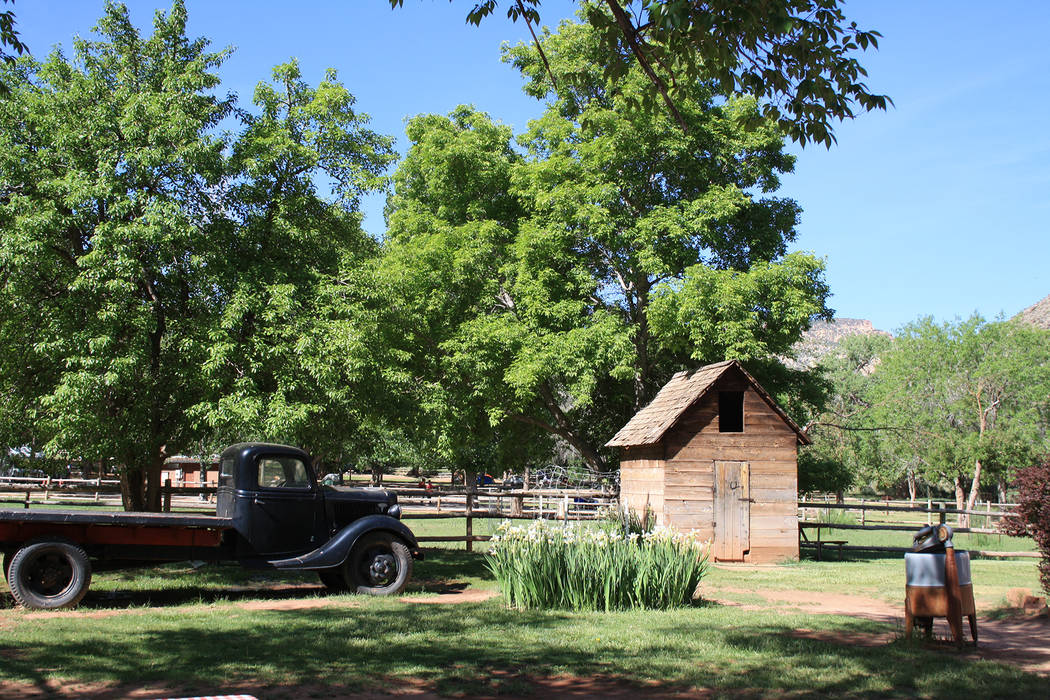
<point>174,624</point>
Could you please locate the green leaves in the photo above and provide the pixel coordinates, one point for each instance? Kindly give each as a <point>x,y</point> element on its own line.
<point>970,391</point>
<point>194,290</point>
<point>561,288</point>
<point>743,315</point>
<point>944,403</point>
<point>108,169</point>
<point>796,57</point>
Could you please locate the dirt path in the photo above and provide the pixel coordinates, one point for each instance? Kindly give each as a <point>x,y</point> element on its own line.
<point>1019,641</point>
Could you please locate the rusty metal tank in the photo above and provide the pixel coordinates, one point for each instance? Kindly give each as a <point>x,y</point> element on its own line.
<point>938,584</point>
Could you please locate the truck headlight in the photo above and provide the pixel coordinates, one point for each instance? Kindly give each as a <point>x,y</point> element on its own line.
<point>394,511</point>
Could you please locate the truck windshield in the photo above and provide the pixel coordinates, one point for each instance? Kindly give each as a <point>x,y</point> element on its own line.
<point>283,472</point>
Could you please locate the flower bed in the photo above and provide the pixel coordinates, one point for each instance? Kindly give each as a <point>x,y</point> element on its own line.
<point>576,568</point>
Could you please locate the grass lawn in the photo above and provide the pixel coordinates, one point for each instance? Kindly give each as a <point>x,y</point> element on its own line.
<point>193,630</point>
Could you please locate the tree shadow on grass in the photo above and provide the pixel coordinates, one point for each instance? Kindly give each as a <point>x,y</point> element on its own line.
<point>450,564</point>
<point>830,555</point>
<point>469,648</point>
<point>441,571</point>
<point>900,667</point>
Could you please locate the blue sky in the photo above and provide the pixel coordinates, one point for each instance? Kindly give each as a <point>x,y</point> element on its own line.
<point>938,206</point>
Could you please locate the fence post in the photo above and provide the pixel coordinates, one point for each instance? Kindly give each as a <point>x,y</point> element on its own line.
<point>167,495</point>
<point>517,505</point>
<point>941,513</point>
<point>929,509</point>
<point>27,501</point>
<point>470,521</point>
<point>47,489</point>
<point>863,510</point>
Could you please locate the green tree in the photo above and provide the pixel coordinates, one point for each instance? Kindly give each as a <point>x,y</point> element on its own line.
<point>451,230</point>
<point>9,38</point>
<point>796,56</point>
<point>844,433</point>
<point>564,307</point>
<point>291,358</point>
<point>973,397</point>
<point>107,165</point>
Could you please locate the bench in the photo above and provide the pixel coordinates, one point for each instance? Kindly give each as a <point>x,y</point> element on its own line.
<point>818,543</point>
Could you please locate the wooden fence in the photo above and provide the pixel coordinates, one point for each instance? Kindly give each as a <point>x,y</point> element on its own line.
<point>492,503</point>
<point>884,515</point>
<point>417,504</point>
<point>555,504</point>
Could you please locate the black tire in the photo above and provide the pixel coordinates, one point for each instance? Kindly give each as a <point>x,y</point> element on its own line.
<point>49,574</point>
<point>333,580</point>
<point>379,564</point>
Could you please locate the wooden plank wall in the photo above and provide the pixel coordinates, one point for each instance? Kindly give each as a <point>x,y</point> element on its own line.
<point>642,479</point>
<point>767,444</point>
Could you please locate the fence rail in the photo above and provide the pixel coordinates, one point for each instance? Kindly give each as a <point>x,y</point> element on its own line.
<point>935,512</point>
<point>481,503</point>
<point>441,503</point>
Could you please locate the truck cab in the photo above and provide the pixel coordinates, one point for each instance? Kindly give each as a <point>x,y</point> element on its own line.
<point>284,518</point>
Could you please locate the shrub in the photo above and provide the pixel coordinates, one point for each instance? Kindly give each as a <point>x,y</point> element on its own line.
<point>575,568</point>
<point>1032,517</point>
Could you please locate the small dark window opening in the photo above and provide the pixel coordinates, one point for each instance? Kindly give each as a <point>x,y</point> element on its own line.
<point>730,411</point>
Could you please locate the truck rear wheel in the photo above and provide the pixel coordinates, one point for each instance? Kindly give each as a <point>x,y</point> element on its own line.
<point>379,564</point>
<point>49,574</point>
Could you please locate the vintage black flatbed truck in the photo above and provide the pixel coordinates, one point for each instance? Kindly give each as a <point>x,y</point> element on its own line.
<point>270,513</point>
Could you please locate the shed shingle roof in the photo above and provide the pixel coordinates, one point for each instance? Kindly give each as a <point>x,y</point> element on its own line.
<point>684,389</point>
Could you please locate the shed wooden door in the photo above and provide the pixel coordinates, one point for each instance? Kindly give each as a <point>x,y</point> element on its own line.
<point>732,489</point>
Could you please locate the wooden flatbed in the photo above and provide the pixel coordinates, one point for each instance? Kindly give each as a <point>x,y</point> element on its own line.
<point>114,527</point>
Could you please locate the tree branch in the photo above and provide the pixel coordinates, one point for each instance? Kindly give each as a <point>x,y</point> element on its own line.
<point>539,48</point>
<point>630,35</point>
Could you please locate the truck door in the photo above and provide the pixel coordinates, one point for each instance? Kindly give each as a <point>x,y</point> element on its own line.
<point>287,507</point>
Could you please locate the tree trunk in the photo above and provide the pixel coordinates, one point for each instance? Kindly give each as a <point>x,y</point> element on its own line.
<point>153,482</point>
<point>913,486</point>
<point>132,489</point>
<point>960,500</point>
<point>975,487</point>
<point>1001,487</point>
<point>564,429</point>
<point>641,346</point>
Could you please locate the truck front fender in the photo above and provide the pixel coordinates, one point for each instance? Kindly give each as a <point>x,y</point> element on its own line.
<point>335,551</point>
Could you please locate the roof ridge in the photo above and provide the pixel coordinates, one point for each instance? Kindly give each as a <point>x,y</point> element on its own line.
<point>685,388</point>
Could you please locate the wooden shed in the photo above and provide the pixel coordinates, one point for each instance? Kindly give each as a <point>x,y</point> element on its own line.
<point>714,453</point>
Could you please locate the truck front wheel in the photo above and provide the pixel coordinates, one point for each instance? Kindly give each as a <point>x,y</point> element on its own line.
<point>49,574</point>
<point>379,564</point>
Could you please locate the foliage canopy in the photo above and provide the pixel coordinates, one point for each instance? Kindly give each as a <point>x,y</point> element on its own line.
<point>618,249</point>
<point>797,57</point>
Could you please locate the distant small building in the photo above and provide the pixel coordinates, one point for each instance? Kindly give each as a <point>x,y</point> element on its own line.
<point>714,453</point>
<point>188,471</point>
